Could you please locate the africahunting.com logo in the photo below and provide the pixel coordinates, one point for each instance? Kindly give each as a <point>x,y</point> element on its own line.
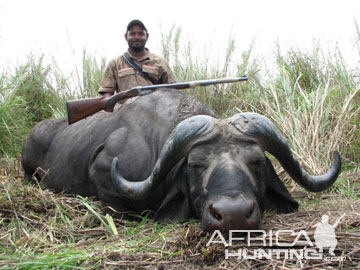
<point>288,244</point>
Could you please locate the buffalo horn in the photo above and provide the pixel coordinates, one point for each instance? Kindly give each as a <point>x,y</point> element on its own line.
<point>263,131</point>
<point>176,147</point>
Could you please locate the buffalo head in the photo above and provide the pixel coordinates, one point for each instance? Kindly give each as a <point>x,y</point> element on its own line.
<point>227,176</point>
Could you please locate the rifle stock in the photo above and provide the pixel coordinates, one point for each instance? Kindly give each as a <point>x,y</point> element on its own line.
<point>82,108</point>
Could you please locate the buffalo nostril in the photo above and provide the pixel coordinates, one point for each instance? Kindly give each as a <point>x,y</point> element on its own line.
<point>251,211</point>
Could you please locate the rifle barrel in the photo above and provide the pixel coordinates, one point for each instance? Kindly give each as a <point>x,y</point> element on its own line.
<point>193,84</point>
<point>217,81</point>
<point>79,109</point>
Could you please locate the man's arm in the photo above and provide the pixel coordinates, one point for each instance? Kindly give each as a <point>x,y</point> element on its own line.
<point>108,83</point>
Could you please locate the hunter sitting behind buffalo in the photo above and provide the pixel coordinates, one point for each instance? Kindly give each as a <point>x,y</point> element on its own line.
<point>167,153</point>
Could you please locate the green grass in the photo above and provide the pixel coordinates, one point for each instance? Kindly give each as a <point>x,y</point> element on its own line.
<point>64,259</point>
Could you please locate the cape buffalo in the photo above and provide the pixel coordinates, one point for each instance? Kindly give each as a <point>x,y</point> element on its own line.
<point>168,153</point>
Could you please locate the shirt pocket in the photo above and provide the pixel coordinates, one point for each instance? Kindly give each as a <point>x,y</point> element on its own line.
<point>153,71</point>
<point>126,72</point>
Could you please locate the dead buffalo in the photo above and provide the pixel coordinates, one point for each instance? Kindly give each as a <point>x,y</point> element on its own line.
<point>167,153</point>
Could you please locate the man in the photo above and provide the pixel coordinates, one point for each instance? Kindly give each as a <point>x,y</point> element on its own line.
<point>121,73</point>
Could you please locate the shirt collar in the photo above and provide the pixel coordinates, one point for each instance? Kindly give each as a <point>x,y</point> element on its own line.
<point>147,56</point>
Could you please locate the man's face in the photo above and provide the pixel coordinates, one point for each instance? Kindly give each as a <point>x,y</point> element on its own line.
<point>136,37</point>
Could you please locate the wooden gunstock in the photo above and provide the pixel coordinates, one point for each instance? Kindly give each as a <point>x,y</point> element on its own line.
<point>82,108</point>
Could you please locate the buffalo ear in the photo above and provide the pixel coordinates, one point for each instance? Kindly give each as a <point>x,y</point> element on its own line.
<point>175,207</point>
<point>277,197</point>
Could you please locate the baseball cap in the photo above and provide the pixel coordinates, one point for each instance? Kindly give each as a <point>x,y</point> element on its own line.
<point>135,22</point>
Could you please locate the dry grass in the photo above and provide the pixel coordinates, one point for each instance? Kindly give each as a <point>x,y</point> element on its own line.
<point>42,230</point>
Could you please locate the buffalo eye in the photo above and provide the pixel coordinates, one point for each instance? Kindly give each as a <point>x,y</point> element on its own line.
<point>199,167</point>
<point>256,164</point>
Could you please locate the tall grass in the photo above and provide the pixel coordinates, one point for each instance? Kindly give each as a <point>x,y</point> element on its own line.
<point>311,96</point>
<point>37,90</point>
<point>314,101</point>
<point>27,96</point>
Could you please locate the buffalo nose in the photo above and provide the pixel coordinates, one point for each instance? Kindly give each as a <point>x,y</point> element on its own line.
<point>231,214</point>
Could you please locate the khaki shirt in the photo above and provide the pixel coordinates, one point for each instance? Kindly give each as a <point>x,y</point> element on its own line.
<point>120,76</point>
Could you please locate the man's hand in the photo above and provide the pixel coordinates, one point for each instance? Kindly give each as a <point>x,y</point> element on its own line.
<point>106,94</point>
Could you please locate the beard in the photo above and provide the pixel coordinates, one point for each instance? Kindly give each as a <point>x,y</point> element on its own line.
<point>136,46</point>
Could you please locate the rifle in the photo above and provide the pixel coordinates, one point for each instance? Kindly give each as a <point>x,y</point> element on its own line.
<point>82,108</point>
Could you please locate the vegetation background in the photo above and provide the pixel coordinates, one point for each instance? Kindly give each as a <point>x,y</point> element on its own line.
<point>312,97</point>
